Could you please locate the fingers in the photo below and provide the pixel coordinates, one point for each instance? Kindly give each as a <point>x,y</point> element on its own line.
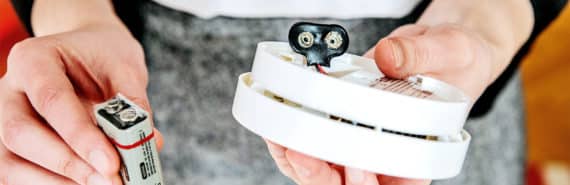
<point>359,177</point>
<point>302,169</point>
<point>415,50</point>
<point>389,180</point>
<point>130,80</point>
<point>159,140</point>
<point>406,30</point>
<point>278,154</point>
<point>14,170</point>
<point>311,171</point>
<point>370,53</point>
<point>21,133</point>
<point>305,170</point>
<point>41,76</point>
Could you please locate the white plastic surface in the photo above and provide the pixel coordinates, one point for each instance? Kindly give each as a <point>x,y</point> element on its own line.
<point>356,101</point>
<point>303,124</point>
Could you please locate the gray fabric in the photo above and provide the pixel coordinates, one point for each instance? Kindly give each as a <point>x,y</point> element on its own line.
<point>194,64</point>
<point>497,151</point>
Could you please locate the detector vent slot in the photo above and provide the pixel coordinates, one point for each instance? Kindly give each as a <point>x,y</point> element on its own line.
<point>344,120</point>
<point>410,135</point>
<point>347,121</point>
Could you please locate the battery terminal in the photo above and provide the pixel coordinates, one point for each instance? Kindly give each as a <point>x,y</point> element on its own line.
<point>128,115</point>
<point>114,106</point>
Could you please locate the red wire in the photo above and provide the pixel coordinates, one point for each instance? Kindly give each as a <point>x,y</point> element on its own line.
<point>321,70</point>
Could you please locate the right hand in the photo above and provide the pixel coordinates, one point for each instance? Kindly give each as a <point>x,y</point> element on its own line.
<point>47,129</point>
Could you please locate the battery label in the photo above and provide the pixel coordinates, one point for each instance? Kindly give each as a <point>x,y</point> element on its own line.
<point>147,166</point>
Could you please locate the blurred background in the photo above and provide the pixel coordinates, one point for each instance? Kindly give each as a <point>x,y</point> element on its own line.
<point>546,74</point>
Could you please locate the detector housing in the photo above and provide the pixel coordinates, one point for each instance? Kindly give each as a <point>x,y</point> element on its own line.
<point>354,116</point>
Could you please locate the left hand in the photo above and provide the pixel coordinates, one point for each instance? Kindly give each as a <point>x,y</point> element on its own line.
<point>306,170</point>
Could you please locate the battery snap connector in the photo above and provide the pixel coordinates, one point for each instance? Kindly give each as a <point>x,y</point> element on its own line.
<point>319,43</point>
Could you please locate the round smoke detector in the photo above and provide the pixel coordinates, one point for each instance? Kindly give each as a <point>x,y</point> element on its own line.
<point>354,115</point>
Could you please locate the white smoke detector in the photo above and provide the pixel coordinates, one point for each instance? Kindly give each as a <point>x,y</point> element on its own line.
<point>354,116</point>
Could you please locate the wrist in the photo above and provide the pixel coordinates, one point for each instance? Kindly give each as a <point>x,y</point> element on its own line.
<point>502,26</point>
<point>57,16</point>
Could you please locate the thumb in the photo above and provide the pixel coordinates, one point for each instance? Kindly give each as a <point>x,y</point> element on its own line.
<point>436,53</point>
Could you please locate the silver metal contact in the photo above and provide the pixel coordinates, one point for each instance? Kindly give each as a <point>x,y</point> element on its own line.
<point>306,39</point>
<point>128,115</point>
<point>334,40</point>
<point>114,106</point>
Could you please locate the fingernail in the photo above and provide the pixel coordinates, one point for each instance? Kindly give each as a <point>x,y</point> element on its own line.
<point>355,176</point>
<point>97,179</point>
<point>300,169</point>
<point>396,53</point>
<point>275,151</point>
<point>99,160</point>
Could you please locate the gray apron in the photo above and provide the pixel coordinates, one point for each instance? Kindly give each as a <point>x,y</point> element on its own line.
<point>194,64</point>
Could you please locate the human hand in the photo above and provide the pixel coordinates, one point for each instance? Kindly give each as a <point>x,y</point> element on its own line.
<point>446,52</point>
<point>47,129</point>
<point>306,170</point>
